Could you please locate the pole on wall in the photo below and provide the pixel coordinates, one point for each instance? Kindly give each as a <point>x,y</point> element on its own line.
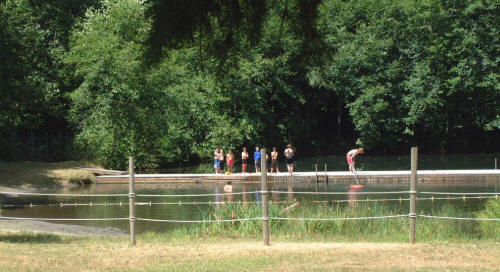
<point>317,177</point>
<point>265,196</point>
<point>326,174</point>
<point>131,198</point>
<point>496,167</point>
<point>413,193</point>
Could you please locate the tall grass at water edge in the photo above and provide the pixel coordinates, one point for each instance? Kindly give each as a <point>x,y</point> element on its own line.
<point>388,229</point>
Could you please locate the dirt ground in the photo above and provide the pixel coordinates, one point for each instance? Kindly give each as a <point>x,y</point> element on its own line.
<point>46,227</point>
<point>21,253</point>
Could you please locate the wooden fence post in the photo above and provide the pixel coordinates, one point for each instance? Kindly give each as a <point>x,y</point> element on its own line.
<point>265,196</point>
<point>316,171</point>
<point>131,197</point>
<point>326,175</point>
<point>317,177</point>
<point>413,193</point>
<point>496,167</point>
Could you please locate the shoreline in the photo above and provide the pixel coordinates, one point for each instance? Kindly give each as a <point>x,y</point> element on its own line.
<point>36,226</point>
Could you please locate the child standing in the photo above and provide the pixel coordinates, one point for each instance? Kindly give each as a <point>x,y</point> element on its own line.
<point>289,158</point>
<point>222,161</point>
<point>274,161</point>
<point>216,161</point>
<point>244,160</point>
<point>230,160</point>
<point>256,157</point>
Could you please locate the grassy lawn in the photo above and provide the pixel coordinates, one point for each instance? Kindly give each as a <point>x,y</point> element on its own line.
<point>48,252</point>
<point>44,174</point>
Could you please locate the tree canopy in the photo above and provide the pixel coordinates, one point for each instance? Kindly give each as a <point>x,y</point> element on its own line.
<point>168,81</point>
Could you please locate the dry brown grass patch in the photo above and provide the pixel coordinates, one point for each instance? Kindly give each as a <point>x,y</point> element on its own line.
<point>96,255</point>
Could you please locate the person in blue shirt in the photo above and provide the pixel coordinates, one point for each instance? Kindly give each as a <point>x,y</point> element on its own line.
<point>256,157</point>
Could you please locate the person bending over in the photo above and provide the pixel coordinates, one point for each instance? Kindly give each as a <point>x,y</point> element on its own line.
<point>351,156</point>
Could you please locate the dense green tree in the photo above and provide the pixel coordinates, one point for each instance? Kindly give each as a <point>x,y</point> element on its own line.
<point>33,38</point>
<point>168,81</point>
<point>166,113</point>
<point>419,72</point>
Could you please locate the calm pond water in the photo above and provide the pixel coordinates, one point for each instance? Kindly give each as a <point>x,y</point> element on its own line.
<point>194,212</point>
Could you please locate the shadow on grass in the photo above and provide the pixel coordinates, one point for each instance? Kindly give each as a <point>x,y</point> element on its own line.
<point>31,238</point>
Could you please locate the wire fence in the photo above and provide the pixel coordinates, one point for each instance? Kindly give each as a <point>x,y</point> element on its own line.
<point>180,203</point>
<point>341,193</point>
<point>463,196</point>
<point>200,221</point>
<point>338,218</point>
<point>250,192</point>
<point>455,193</point>
<point>458,218</point>
<point>197,195</point>
<point>62,195</point>
<point>265,218</point>
<point>61,219</point>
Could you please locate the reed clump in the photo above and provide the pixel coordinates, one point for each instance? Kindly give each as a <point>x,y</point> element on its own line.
<point>490,228</point>
<point>387,229</point>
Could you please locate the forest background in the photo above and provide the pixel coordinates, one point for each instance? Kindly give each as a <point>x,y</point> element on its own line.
<point>168,81</point>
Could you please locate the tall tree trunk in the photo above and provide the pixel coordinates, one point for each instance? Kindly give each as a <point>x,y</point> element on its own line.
<point>339,118</point>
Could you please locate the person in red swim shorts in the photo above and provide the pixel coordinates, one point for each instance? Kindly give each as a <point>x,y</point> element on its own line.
<point>351,155</point>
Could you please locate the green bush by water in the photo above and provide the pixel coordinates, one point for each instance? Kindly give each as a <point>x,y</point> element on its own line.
<point>389,229</point>
<point>490,228</point>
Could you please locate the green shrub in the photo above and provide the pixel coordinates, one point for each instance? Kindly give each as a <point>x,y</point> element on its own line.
<point>490,229</point>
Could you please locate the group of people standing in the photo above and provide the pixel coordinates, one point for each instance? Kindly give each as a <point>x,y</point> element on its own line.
<point>220,160</point>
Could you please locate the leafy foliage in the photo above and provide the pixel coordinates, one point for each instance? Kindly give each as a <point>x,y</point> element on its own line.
<point>168,81</point>
<point>413,69</point>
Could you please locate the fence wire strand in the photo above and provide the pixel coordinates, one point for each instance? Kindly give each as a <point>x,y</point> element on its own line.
<point>462,196</point>
<point>199,221</point>
<point>61,219</point>
<point>458,218</point>
<point>195,195</point>
<point>338,218</point>
<point>69,195</point>
<point>180,203</point>
<point>451,193</point>
<point>340,193</point>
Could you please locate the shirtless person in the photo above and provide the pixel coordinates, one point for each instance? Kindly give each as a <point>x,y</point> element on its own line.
<point>289,158</point>
<point>230,160</point>
<point>351,155</point>
<point>274,160</point>
<point>228,188</point>
<point>244,160</point>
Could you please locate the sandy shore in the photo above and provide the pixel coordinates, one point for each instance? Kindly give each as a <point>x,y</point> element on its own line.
<point>46,227</point>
